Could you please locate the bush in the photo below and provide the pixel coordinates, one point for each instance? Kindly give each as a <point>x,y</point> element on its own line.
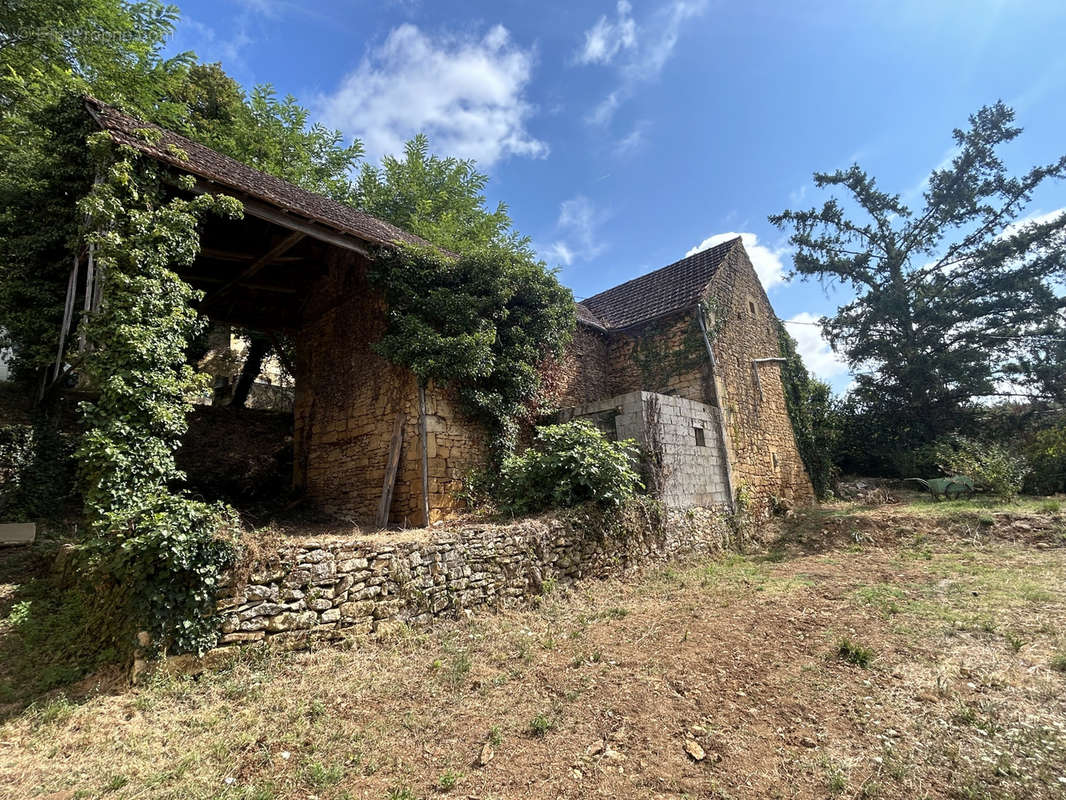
<point>36,471</point>
<point>1046,454</point>
<point>991,465</point>
<point>568,465</point>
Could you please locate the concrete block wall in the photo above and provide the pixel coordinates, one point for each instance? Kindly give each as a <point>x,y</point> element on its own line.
<point>694,472</point>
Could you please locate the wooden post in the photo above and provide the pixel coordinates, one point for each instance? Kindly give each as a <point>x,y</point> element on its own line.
<point>425,449</point>
<point>391,468</point>
<point>90,287</point>
<point>68,312</point>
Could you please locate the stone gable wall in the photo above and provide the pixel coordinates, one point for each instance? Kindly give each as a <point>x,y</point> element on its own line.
<point>346,404</point>
<point>580,376</point>
<point>758,425</point>
<point>666,357</point>
<point>325,588</point>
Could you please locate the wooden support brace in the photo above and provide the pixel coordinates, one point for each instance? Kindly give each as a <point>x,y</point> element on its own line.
<point>264,260</point>
<point>391,468</point>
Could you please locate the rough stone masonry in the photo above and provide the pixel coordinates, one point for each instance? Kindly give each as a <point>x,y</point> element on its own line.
<point>327,587</point>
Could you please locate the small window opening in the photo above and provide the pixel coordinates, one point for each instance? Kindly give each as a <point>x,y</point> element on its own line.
<point>751,307</point>
<point>773,457</point>
<point>700,440</point>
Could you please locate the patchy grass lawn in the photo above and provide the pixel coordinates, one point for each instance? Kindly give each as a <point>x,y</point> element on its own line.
<point>873,653</point>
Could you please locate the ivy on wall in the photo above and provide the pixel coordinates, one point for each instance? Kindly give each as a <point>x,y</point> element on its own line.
<point>814,416</point>
<point>162,550</point>
<point>480,323</point>
<point>660,357</point>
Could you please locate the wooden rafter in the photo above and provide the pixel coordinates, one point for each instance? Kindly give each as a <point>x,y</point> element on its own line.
<point>264,260</point>
<point>261,286</point>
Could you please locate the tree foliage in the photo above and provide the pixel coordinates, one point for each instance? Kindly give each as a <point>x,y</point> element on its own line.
<point>483,321</point>
<point>440,199</point>
<point>814,416</point>
<point>953,300</point>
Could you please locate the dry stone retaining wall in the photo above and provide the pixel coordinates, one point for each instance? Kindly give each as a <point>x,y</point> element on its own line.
<point>322,588</point>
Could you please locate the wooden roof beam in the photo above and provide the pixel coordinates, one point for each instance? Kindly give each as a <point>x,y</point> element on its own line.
<point>264,260</point>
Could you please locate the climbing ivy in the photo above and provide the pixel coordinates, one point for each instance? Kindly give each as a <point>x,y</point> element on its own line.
<point>660,358</point>
<point>814,414</point>
<point>164,551</point>
<point>480,323</point>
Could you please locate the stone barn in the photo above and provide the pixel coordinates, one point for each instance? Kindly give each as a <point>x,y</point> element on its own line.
<point>681,359</point>
<point>686,360</point>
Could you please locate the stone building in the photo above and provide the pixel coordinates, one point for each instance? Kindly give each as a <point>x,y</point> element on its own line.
<point>685,359</point>
<point>676,358</point>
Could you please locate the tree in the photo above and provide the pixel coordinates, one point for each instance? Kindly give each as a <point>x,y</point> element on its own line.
<point>482,322</point>
<point>813,413</point>
<point>54,51</point>
<point>953,301</point>
<point>439,199</point>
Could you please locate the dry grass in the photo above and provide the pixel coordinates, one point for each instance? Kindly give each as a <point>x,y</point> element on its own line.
<point>595,692</point>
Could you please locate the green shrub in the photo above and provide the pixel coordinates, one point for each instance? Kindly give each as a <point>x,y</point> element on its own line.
<point>1046,454</point>
<point>568,465</point>
<point>991,465</point>
<point>36,471</point>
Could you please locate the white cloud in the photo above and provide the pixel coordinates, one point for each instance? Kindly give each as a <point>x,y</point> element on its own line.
<point>631,142</point>
<point>466,94</point>
<point>605,39</point>
<point>579,222</point>
<point>1036,219</point>
<point>767,262</point>
<point>648,48</point>
<point>603,112</point>
<point>818,357</point>
<point>213,46</point>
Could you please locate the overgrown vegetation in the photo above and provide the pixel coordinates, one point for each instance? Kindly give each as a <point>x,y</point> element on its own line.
<point>163,551</point>
<point>813,412</point>
<point>569,464</point>
<point>990,464</point>
<point>932,341</point>
<point>480,323</point>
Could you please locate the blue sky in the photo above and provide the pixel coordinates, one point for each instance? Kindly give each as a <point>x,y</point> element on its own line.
<point>624,134</point>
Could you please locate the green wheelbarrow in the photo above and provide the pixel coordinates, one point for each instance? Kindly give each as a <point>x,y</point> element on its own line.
<point>951,488</point>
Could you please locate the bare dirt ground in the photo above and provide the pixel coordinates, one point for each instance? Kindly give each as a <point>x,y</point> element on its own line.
<point>723,679</point>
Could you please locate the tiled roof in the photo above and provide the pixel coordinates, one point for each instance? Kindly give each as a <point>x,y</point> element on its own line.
<point>671,288</point>
<point>229,172</point>
<point>588,318</point>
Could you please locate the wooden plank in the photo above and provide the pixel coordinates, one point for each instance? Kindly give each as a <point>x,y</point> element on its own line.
<point>391,468</point>
<point>232,255</point>
<point>276,288</point>
<point>68,313</point>
<point>271,213</point>
<point>425,450</point>
<point>264,260</point>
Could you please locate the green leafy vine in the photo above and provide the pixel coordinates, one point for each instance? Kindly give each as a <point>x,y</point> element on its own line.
<point>162,551</point>
<point>481,323</point>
